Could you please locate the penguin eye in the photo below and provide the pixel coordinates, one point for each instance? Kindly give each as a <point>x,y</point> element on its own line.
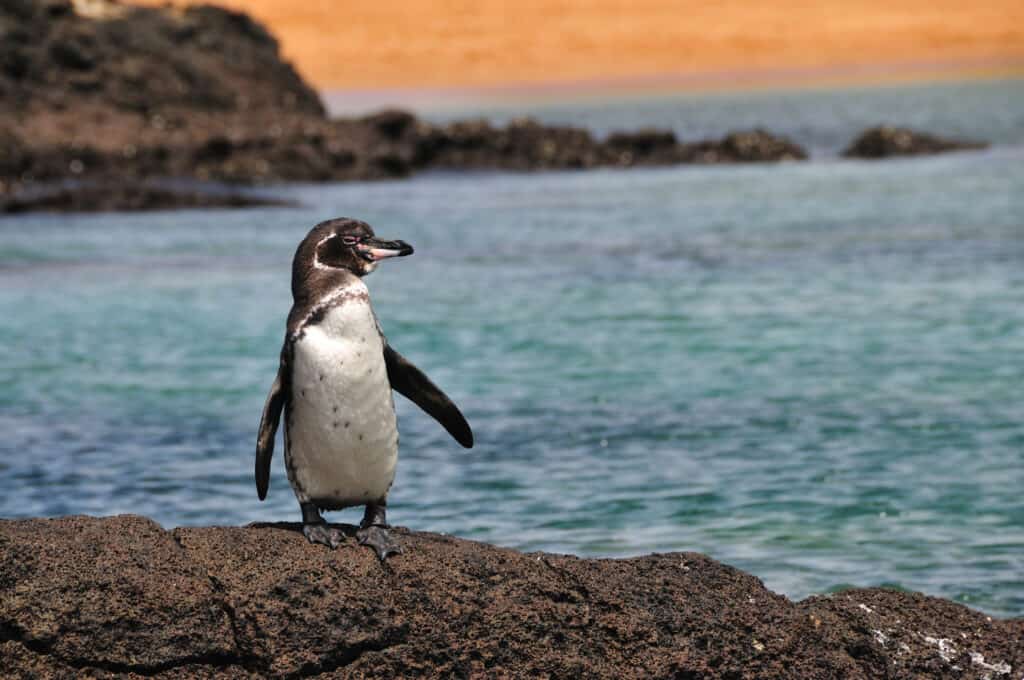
<point>350,240</point>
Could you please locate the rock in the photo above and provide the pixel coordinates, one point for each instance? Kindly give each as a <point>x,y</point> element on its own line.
<point>645,146</point>
<point>644,140</point>
<point>884,141</point>
<point>524,144</point>
<point>114,596</point>
<point>101,197</point>
<point>391,123</point>
<point>760,146</point>
<point>71,593</point>
<point>156,60</point>
<point>216,149</point>
<point>660,147</point>
<point>111,94</point>
<point>15,156</point>
<point>750,146</point>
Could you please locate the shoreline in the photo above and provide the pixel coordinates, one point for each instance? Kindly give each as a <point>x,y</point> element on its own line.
<point>210,172</point>
<point>108,118</point>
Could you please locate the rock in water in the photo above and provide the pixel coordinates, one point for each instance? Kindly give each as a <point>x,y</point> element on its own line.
<point>760,146</point>
<point>884,141</point>
<point>108,597</point>
<point>126,196</point>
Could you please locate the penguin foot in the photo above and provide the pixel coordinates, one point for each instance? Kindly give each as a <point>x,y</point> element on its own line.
<point>323,534</point>
<point>378,538</point>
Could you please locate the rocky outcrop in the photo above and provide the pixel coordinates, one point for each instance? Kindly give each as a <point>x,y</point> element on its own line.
<point>114,95</point>
<point>100,57</point>
<point>110,93</point>
<point>525,144</point>
<point>885,141</point>
<point>120,596</point>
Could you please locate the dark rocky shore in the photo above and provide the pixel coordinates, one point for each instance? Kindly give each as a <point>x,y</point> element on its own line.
<point>137,196</point>
<point>121,597</point>
<point>886,141</point>
<point>112,96</point>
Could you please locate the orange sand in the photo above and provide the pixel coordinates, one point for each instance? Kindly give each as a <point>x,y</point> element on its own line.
<point>373,44</point>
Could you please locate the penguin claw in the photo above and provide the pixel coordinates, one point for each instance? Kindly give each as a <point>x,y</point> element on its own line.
<point>323,534</point>
<point>378,538</point>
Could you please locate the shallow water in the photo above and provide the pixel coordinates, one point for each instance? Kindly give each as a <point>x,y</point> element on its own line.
<point>810,371</point>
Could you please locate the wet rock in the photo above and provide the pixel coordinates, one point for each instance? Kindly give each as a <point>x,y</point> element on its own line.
<point>524,144</point>
<point>391,123</point>
<point>531,145</point>
<point>645,146</point>
<point>885,141</point>
<point>392,163</point>
<point>760,146</point>
<point>101,597</point>
<point>120,196</point>
<point>750,146</point>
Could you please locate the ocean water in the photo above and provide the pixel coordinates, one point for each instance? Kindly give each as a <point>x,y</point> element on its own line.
<point>814,372</point>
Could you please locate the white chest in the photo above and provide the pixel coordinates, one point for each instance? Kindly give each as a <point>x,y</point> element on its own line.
<point>342,434</point>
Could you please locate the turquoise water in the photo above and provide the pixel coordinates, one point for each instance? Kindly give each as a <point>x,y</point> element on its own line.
<point>811,371</point>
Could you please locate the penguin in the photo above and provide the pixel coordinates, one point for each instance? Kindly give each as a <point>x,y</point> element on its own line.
<point>334,386</point>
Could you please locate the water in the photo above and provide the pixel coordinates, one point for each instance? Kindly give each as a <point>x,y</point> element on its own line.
<point>810,371</point>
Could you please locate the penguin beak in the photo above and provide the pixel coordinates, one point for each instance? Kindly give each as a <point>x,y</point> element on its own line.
<point>373,249</point>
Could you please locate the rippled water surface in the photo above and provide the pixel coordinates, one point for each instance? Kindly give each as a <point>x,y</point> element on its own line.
<point>811,371</point>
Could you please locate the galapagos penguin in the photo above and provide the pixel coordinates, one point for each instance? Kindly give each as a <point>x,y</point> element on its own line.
<point>334,386</point>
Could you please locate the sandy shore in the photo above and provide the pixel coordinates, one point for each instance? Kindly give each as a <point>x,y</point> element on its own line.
<point>391,44</point>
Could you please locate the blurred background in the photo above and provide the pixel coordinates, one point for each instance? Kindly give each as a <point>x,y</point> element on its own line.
<point>503,49</point>
<point>743,279</point>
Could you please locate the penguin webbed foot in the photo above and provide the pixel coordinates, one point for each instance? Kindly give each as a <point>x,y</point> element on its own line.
<point>378,538</point>
<point>373,531</point>
<point>317,530</point>
<point>323,534</point>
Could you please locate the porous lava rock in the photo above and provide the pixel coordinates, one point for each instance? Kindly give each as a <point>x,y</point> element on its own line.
<point>121,597</point>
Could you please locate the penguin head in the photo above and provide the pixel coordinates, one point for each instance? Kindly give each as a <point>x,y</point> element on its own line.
<point>342,245</point>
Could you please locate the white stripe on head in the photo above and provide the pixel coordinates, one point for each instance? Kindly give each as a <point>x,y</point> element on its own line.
<point>316,252</point>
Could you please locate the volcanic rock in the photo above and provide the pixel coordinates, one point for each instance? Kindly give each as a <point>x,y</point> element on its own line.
<point>113,95</point>
<point>103,57</point>
<point>648,145</point>
<point>759,146</point>
<point>130,196</point>
<point>112,597</point>
<point>885,141</point>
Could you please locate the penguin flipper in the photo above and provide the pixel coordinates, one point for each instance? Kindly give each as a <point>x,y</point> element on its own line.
<point>410,382</point>
<point>268,430</point>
